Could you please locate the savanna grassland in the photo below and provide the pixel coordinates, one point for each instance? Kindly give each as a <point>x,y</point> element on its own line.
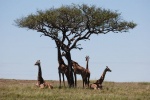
<point>26,90</point>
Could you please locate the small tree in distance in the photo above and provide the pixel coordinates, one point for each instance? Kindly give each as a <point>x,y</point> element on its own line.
<point>70,24</point>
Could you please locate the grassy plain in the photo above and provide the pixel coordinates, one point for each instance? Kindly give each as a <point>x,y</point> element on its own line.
<point>26,90</point>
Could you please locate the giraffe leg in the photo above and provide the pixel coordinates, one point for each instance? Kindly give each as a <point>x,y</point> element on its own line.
<point>75,79</point>
<point>38,84</point>
<point>63,79</point>
<point>83,81</point>
<point>42,86</point>
<point>59,79</point>
<point>94,86</point>
<point>50,86</point>
<point>84,78</point>
<point>88,81</point>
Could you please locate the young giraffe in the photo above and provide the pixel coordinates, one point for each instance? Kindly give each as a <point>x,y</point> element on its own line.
<point>41,83</point>
<point>98,83</point>
<point>87,70</point>
<point>79,70</point>
<point>62,68</point>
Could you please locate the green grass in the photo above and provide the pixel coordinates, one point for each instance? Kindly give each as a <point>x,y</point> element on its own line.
<point>26,90</point>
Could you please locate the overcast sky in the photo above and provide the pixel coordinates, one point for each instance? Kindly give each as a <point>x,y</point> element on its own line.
<point>126,54</point>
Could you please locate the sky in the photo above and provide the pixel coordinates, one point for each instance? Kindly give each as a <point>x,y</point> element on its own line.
<point>126,54</point>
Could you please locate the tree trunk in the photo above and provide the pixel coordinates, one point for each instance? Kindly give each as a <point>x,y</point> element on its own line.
<point>70,69</point>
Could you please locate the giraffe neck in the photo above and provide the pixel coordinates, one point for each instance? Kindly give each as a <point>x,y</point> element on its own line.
<point>39,72</point>
<point>40,78</point>
<point>60,60</point>
<point>103,75</point>
<point>87,64</point>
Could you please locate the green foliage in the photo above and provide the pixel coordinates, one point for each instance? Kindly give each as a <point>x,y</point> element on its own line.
<point>74,23</point>
<point>24,89</point>
<point>76,18</point>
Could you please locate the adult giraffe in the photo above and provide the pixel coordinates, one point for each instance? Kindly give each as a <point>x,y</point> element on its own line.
<point>87,70</point>
<point>79,70</point>
<point>62,68</point>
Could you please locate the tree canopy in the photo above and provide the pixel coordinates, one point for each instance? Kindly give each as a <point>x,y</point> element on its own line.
<point>70,24</point>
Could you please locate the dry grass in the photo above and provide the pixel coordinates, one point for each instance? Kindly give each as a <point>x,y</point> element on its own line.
<point>26,89</point>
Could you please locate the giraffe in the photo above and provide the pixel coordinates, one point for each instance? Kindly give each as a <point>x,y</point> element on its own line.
<point>39,78</point>
<point>79,70</point>
<point>62,68</point>
<point>41,83</point>
<point>87,70</point>
<point>98,83</point>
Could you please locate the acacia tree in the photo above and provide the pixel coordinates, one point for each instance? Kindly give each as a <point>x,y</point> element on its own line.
<point>70,24</point>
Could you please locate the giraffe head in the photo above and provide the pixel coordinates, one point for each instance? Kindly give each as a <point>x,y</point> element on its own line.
<point>107,69</point>
<point>87,58</point>
<point>37,62</point>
